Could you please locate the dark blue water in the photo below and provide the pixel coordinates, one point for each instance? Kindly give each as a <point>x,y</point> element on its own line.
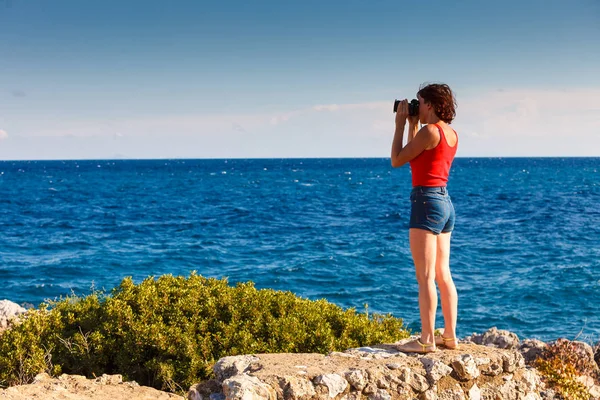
<point>525,250</point>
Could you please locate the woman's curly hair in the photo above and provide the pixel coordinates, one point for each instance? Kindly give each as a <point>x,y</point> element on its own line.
<point>440,96</point>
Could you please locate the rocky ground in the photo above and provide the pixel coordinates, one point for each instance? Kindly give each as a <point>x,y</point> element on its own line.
<point>493,368</point>
<point>76,387</point>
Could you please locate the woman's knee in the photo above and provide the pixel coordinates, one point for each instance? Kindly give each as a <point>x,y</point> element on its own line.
<point>444,279</point>
<point>425,277</point>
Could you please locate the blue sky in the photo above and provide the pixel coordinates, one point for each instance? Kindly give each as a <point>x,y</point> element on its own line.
<point>198,79</point>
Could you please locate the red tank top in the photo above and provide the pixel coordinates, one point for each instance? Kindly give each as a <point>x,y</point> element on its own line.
<point>432,167</point>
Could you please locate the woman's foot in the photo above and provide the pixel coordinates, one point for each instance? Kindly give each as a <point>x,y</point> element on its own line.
<point>446,341</point>
<point>416,346</point>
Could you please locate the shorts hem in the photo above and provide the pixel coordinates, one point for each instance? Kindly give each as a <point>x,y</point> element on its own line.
<point>426,228</point>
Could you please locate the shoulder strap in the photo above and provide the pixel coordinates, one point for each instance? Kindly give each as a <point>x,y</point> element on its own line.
<point>442,136</point>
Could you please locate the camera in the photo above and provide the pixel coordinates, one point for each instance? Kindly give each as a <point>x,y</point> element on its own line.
<point>413,107</point>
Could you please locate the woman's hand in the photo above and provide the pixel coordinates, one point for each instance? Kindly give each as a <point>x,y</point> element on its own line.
<point>402,113</point>
<point>413,120</point>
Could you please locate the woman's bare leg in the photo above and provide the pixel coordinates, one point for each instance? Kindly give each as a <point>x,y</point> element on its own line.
<point>448,295</point>
<point>423,246</point>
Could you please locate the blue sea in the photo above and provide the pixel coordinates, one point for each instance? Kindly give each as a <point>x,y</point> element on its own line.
<point>525,251</point>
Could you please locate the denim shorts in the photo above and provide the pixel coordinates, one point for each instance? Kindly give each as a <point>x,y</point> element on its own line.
<point>431,209</point>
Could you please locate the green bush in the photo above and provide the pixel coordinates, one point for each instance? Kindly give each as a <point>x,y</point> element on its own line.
<point>168,332</point>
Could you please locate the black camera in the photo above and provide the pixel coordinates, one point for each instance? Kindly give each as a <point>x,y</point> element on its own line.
<point>413,107</point>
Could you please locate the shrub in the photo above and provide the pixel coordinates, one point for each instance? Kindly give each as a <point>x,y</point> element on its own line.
<point>168,332</point>
<point>561,364</point>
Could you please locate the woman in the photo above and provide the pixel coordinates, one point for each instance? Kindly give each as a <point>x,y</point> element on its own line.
<point>430,151</point>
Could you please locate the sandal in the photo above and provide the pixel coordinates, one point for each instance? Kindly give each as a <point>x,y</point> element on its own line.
<point>408,348</point>
<point>440,340</point>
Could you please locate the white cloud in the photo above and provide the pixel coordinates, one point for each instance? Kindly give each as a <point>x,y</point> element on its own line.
<point>508,122</point>
<point>3,135</point>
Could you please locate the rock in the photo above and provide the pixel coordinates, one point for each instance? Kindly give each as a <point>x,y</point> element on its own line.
<point>371,388</point>
<point>428,395</point>
<point>508,390</point>
<point>8,311</point>
<point>531,349</point>
<point>465,367</point>
<point>107,379</point>
<point>357,379</point>
<point>405,375</point>
<point>393,365</point>
<point>474,338</point>
<point>595,391</point>
<point>474,393</point>
<point>297,388</point>
<point>335,384</point>
<point>246,387</point>
<point>530,380</point>
<point>492,369</point>
<point>77,387</point>
<point>455,393</point>
<point>193,394</point>
<point>548,394</point>
<point>227,367</point>
<point>217,396</point>
<point>495,337</point>
<point>380,395</point>
<point>443,375</point>
<point>436,370</point>
<point>42,377</point>
<point>586,352</point>
<point>418,382</point>
<point>511,361</point>
<point>382,382</point>
<point>532,396</point>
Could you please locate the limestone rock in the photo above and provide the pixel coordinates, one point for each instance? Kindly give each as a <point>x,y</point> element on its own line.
<point>428,395</point>
<point>335,384</point>
<point>511,361</point>
<point>436,370</point>
<point>586,352</point>
<point>455,393</point>
<point>474,393</point>
<point>532,349</point>
<point>380,394</point>
<point>595,392</point>
<point>77,387</point>
<point>418,382</point>
<point>442,375</point>
<point>246,387</point>
<point>530,380</point>
<point>9,310</point>
<point>297,388</point>
<point>405,375</point>
<point>465,367</point>
<point>357,379</point>
<point>106,379</point>
<point>371,388</point>
<point>495,337</point>
<point>227,367</point>
<point>494,368</point>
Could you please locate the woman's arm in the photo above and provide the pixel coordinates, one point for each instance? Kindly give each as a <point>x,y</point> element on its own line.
<point>397,142</point>
<point>413,128</point>
<point>424,137</point>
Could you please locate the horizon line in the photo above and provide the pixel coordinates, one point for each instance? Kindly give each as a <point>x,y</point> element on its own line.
<point>273,158</point>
